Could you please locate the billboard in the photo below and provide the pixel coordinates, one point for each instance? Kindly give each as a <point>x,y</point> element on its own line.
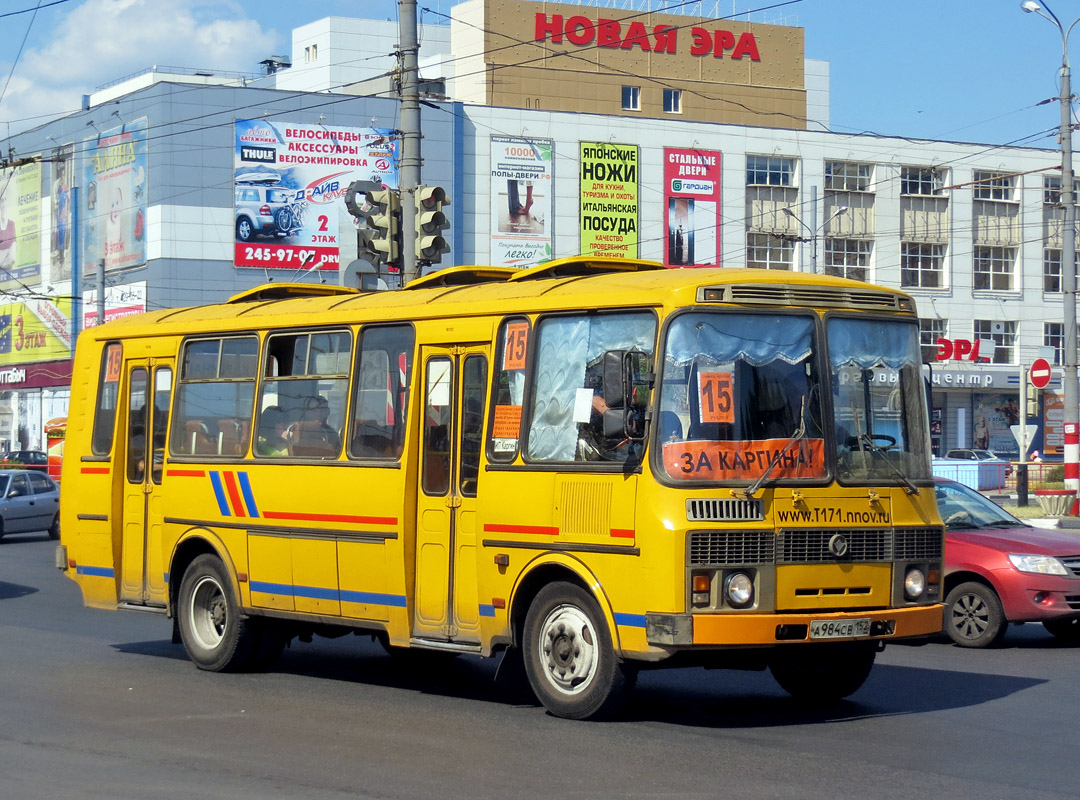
<point>609,199</point>
<point>114,196</point>
<point>35,330</point>
<point>61,234</point>
<point>20,225</point>
<point>692,207</point>
<point>523,207</point>
<point>290,182</point>
<point>125,300</point>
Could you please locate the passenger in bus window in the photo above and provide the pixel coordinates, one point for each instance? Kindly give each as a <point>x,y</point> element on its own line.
<point>312,435</point>
<point>272,426</point>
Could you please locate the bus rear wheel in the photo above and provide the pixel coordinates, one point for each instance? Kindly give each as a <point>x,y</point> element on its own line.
<point>569,658</point>
<point>822,673</point>
<point>216,637</point>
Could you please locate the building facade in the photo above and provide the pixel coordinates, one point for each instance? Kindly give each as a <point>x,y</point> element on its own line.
<point>568,129</point>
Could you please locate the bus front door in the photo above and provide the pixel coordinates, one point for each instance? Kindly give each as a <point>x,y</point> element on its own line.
<point>446,601</point>
<point>149,388</point>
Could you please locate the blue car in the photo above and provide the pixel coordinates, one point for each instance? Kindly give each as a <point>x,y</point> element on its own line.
<point>29,501</point>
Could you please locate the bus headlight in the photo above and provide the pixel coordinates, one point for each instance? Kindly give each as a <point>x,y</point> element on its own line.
<point>914,584</point>
<point>738,589</point>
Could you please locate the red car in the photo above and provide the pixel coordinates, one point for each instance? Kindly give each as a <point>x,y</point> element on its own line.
<point>1000,570</point>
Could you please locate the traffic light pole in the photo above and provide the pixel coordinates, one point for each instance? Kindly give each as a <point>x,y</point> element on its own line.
<point>410,135</point>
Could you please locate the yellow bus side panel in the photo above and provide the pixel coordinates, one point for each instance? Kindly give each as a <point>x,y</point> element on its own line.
<point>362,577</point>
<point>466,602</point>
<point>270,565</point>
<point>315,576</point>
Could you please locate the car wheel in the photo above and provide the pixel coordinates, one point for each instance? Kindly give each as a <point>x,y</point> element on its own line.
<point>1068,630</point>
<point>54,529</point>
<point>569,658</point>
<point>973,616</point>
<point>822,673</point>
<point>216,637</point>
<point>244,231</point>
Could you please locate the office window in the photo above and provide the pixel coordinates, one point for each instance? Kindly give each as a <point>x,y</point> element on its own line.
<point>770,171</point>
<point>993,268</point>
<point>922,266</point>
<point>922,180</point>
<point>845,176</point>
<point>672,101</point>
<point>1054,336</point>
<point>1052,189</point>
<point>311,53</point>
<point>765,251</point>
<point>848,258</point>
<point>993,185</point>
<point>1051,270</point>
<point>930,330</point>
<point>631,98</point>
<point>1004,336</point>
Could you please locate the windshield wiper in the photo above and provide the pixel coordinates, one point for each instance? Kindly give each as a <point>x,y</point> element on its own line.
<point>866,442</point>
<point>797,436</point>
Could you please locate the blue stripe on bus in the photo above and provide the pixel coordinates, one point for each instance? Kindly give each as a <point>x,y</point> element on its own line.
<point>249,497</point>
<point>316,593</point>
<point>487,610</point>
<point>374,598</point>
<point>219,490</point>
<point>630,620</point>
<point>100,572</point>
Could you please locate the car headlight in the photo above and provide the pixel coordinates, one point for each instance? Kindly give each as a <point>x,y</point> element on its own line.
<point>1040,565</point>
<point>914,584</point>
<point>739,589</point>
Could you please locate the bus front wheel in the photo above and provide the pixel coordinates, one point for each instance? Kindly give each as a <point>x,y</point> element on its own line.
<point>569,657</point>
<point>822,673</point>
<point>216,637</point>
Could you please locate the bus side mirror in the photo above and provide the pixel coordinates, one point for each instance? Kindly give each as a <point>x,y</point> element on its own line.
<point>627,379</point>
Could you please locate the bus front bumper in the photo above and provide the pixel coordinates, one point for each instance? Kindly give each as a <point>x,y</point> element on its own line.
<point>768,629</point>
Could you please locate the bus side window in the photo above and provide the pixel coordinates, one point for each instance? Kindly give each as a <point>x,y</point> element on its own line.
<point>380,392</point>
<point>216,389</point>
<point>108,392</point>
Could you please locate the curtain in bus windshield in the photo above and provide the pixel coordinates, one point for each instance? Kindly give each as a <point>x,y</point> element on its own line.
<point>878,399</point>
<point>740,392</point>
<point>565,424</point>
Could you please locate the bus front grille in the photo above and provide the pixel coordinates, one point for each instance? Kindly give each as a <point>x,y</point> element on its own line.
<point>918,544</point>
<point>730,548</point>
<point>730,509</point>
<point>817,546</point>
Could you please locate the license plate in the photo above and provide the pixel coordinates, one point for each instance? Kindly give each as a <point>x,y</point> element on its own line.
<point>839,628</point>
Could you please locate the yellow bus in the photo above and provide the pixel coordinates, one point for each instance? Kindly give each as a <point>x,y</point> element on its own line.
<point>596,466</point>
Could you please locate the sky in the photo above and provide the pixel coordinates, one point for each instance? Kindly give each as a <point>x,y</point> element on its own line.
<point>959,70</point>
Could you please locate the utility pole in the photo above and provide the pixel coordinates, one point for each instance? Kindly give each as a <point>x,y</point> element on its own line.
<point>410,134</point>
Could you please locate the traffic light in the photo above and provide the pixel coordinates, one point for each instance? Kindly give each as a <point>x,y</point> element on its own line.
<point>378,211</point>
<point>430,223</point>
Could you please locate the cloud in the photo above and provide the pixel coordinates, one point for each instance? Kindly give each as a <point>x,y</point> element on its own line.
<point>101,41</point>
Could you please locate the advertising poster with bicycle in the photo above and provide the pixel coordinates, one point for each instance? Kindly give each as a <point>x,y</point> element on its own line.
<point>522,182</point>
<point>290,182</point>
<point>114,197</point>
<point>692,207</point>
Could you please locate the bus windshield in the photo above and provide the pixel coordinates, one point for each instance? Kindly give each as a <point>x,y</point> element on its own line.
<point>740,391</point>
<point>877,389</point>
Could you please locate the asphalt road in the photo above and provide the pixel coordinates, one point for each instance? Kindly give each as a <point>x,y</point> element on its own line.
<point>100,704</point>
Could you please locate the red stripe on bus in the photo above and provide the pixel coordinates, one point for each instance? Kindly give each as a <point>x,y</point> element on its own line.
<point>330,518</point>
<point>541,530</point>
<point>234,493</point>
<point>186,473</point>
<point>95,470</point>
<point>622,533</point>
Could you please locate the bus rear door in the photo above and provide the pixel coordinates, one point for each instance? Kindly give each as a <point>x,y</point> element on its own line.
<point>455,385</point>
<point>142,561</point>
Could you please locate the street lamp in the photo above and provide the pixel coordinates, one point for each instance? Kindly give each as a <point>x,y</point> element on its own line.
<point>813,237</point>
<point>1068,254</point>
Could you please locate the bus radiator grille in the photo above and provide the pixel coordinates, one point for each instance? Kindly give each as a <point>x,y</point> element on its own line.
<point>725,510</point>
<point>918,544</point>
<point>730,548</point>
<point>812,546</point>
